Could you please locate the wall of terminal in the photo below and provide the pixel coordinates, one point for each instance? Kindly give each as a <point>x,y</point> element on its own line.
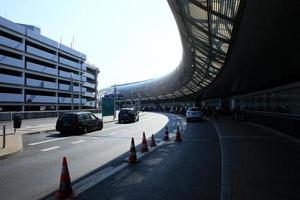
<point>277,108</point>
<point>284,100</point>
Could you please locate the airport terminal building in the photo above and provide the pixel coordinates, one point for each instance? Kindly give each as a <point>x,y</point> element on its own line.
<point>240,56</point>
<point>40,74</point>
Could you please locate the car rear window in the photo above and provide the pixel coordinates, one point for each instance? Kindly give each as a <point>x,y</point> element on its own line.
<point>83,117</point>
<point>68,118</point>
<point>194,109</point>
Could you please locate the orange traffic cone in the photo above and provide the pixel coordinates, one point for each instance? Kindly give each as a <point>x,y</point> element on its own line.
<point>144,147</point>
<point>166,135</point>
<point>132,154</point>
<point>152,144</point>
<point>178,136</point>
<point>65,187</point>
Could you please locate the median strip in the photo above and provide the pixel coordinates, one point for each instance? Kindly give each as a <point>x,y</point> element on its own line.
<point>97,178</point>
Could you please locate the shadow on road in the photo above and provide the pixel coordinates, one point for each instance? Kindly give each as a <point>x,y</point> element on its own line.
<point>120,159</point>
<point>58,135</point>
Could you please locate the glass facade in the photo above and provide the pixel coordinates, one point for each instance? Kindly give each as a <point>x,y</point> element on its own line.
<point>285,101</point>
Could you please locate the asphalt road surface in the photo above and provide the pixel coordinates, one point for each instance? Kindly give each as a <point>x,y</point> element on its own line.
<point>217,160</point>
<point>35,172</point>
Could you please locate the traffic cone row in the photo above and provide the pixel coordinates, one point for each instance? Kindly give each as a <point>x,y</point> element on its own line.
<point>152,144</point>
<point>132,153</point>
<point>144,147</point>
<point>166,135</point>
<point>178,135</point>
<point>65,187</point>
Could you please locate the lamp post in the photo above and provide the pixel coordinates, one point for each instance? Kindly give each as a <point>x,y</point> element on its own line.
<point>29,103</point>
<point>139,102</point>
<point>115,93</point>
<point>72,92</point>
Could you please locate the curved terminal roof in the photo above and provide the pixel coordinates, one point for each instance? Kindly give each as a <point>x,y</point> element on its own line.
<point>228,48</point>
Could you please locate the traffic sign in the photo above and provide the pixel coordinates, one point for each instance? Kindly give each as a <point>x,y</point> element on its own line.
<point>107,107</point>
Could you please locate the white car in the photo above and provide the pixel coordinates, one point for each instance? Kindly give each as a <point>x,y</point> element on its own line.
<point>194,113</point>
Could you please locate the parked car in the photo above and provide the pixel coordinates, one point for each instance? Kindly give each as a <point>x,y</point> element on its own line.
<point>78,122</point>
<point>194,113</point>
<point>128,115</point>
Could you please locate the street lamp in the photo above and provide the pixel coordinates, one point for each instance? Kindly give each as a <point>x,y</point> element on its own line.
<point>115,101</point>
<point>139,102</point>
<point>72,91</point>
<point>29,103</point>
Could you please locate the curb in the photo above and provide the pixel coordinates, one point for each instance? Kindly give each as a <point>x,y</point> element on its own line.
<point>18,149</point>
<point>11,154</point>
<point>38,132</point>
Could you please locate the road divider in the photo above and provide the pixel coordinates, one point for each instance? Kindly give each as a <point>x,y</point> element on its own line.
<point>96,178</point>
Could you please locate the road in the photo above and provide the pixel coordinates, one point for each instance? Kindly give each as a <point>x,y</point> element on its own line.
<point>190,169</point>
<point>221,159</point>
<point>35,172</point>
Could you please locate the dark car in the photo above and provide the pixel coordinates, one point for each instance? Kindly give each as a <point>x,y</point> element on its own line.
<point>78,122</point>
<point>128,115</point>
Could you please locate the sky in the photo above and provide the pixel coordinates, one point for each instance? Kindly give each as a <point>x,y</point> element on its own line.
<point>128,40</point>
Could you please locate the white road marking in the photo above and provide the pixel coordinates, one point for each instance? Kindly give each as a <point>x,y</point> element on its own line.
<point>51,148</point>
<point>105,129</point>
<point>113,133</point>
<point>45,141</point>
<point>77,142</point>
<point>222,161</point>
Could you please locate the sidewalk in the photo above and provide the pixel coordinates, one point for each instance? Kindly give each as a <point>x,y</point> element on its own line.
<point>29,126</point>
<point>258,162</point>
<point>252,162</point>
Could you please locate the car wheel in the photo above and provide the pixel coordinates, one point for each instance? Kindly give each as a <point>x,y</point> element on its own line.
<point>119,121</point>
<point>100,127</point>
<point>85,130</point>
